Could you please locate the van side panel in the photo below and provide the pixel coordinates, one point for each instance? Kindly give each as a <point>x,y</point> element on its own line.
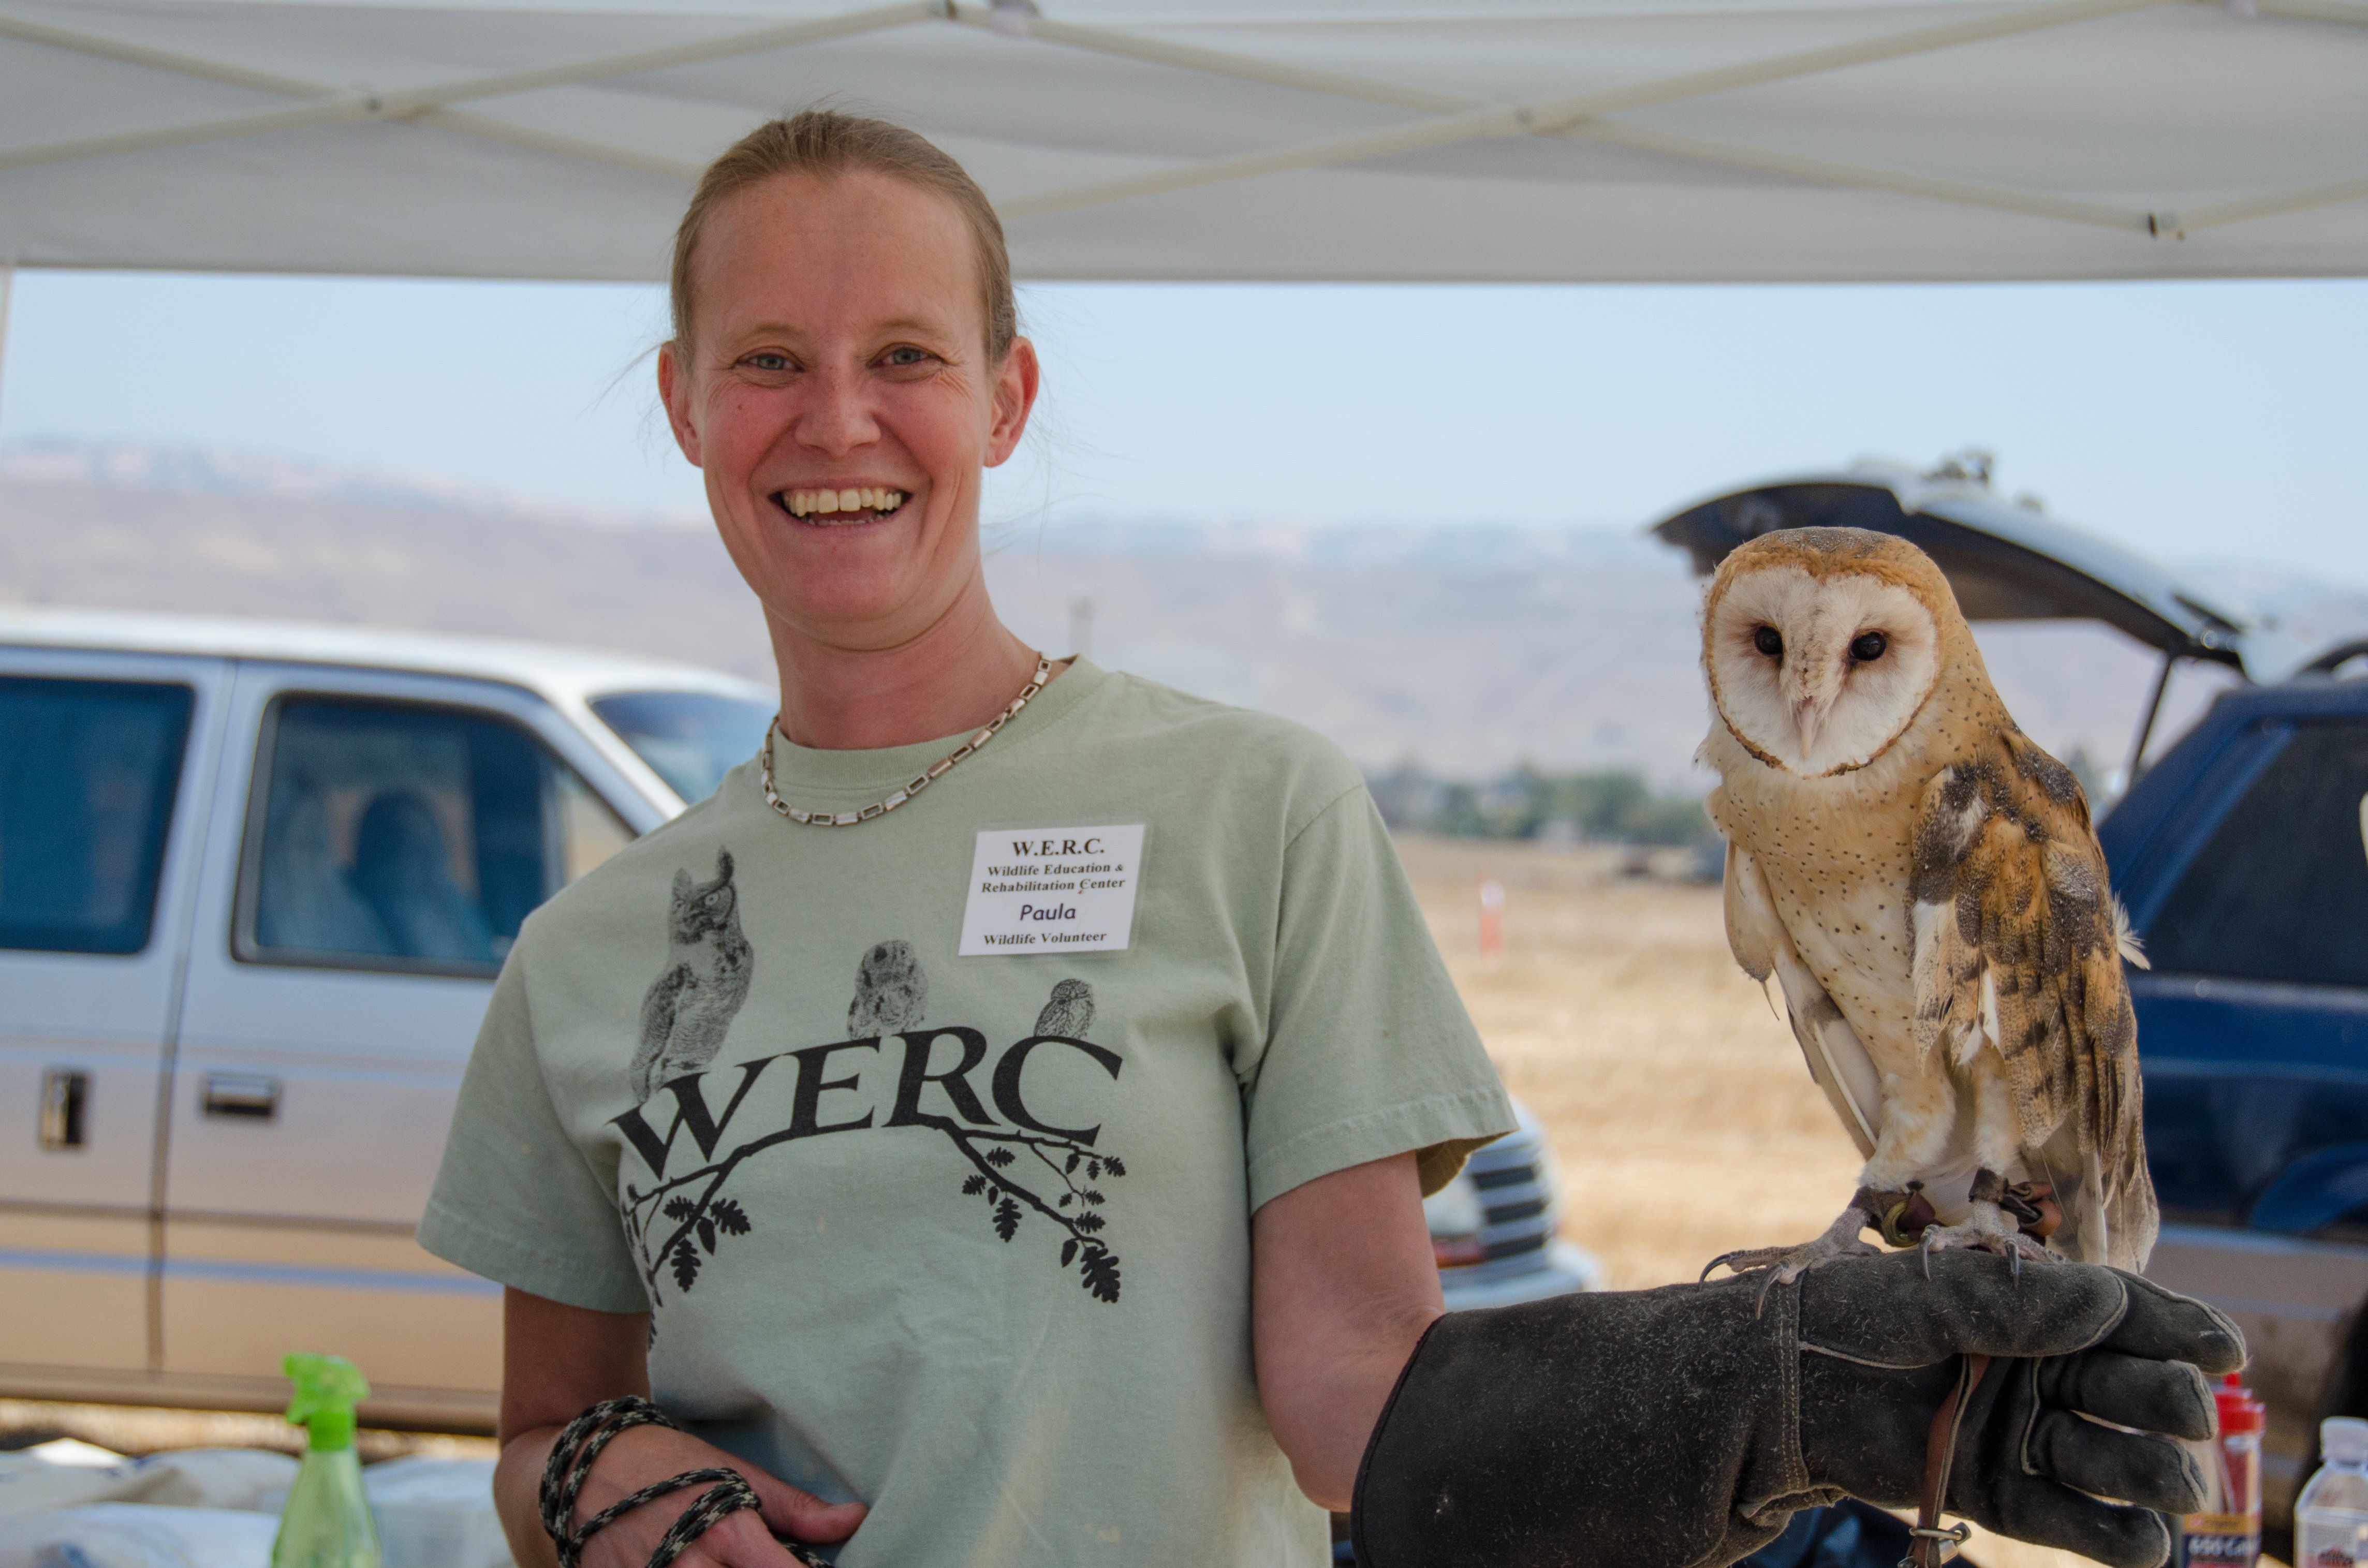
<point>86,1036</point>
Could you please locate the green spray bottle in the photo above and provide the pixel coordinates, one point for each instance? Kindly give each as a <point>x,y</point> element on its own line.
<point>326,1523</point>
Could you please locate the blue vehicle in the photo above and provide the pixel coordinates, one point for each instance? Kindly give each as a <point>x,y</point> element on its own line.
<point>2241,851</point>
<point>2243,857</point>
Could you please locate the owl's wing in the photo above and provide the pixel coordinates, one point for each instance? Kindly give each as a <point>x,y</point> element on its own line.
<point>2019,947</point>
<point>1837,1058</point>
<point>659,1004</point>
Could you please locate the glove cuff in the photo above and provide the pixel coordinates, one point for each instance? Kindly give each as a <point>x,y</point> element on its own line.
<point>1381,1424</point>
<point>1652,1429</point>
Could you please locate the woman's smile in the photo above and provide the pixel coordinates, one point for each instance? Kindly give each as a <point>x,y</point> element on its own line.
<point>840,506</point>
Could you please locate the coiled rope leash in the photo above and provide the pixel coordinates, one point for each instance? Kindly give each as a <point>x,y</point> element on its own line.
<point>570,1465</point>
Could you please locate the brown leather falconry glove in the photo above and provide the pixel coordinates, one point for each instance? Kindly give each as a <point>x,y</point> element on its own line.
<point>1674,1429</point>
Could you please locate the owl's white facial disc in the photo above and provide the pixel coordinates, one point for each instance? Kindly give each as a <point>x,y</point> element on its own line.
<point>1819,676</point>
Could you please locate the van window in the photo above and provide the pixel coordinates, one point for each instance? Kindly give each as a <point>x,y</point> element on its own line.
<point>2281,890</point>
<point>691,739</point>
<point>408,836</point>
<point>88,769</point>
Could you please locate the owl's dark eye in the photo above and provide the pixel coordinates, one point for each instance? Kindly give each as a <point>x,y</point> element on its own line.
<point>1868,646</point>
<point>1769,641</point>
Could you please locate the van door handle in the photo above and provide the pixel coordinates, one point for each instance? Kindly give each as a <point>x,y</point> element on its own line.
<point>65,1094</point>
<point>242,1094</point>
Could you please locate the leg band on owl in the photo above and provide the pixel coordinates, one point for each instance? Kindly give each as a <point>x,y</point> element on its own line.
<point>1901,1217</point>
<point>1679,1427</point>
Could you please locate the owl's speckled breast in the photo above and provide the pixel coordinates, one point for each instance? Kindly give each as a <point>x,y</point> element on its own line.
<point>1835,853</point>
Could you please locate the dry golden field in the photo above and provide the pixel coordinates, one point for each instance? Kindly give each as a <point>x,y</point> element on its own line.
<point>1680,1112</point>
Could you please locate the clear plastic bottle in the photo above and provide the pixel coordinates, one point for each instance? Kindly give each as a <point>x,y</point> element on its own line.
<point>2331,1514</point>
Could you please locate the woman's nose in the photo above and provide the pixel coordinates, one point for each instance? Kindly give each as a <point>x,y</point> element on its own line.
<point>835,416</point>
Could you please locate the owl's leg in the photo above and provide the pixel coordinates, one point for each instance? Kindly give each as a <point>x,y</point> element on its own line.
<point>1918,1111</point>
<point>1997,1139</point>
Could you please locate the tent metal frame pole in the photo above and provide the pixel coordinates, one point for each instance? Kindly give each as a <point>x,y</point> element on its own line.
<point>1549,115</point>
<point>1825,171</point>
<point>330,105</point>
<point>1214,61</point>
<point>167,60</point>
<point>2270,204</point>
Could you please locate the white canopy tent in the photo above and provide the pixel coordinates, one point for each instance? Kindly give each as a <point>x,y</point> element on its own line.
<point>1493,139</point>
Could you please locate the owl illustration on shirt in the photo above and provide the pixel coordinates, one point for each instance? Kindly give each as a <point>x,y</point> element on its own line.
<point>1069,1013</point>
<point>689,1007</point>
<point>891,990</point>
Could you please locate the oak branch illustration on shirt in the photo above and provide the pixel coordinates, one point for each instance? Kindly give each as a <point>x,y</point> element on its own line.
<point>677,1222</point>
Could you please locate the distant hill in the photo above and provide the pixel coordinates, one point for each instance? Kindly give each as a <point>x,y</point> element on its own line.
<point>1462,651</point>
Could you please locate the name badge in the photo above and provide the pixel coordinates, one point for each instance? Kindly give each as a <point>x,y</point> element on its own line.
<point>1052,890</point>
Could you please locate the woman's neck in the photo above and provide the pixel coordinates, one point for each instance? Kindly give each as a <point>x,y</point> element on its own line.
<point>959,672</point>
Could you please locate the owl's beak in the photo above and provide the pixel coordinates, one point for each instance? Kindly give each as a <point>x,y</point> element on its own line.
<point>1808,721</point>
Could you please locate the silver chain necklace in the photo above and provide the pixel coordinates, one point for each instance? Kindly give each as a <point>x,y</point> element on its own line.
<point>919,782</point>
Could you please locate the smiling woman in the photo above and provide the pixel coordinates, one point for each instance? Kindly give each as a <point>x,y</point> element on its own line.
<point>1145,1064</point>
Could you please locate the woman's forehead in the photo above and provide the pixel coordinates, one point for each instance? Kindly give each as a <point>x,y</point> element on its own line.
<point>855,252</point>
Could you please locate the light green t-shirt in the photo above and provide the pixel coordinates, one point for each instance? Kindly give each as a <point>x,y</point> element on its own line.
<point>967,1237</point>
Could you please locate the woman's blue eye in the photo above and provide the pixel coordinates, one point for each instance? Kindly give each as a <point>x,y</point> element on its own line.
<point>770,361</point>
<point>907,355</point>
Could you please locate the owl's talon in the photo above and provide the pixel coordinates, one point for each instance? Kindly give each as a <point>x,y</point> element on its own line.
<point>1987,1229</point>
<point>1781,1266</point>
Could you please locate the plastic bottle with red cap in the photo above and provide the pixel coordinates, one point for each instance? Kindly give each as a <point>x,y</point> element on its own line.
<point>2226,1532</point>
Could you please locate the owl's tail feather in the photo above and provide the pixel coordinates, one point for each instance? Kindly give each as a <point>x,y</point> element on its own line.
<point>2131,1216</point>
<point>2110,1224</point>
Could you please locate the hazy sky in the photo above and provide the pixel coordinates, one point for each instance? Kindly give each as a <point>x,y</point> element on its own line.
<point>2192,421</point>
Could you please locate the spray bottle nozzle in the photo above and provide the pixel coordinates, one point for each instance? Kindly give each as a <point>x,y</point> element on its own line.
<point>328,1388</point>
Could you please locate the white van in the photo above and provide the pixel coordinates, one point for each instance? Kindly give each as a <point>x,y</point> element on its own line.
<point>255,880</point>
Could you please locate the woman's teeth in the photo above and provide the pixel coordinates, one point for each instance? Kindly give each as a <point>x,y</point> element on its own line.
<point>809,503</point>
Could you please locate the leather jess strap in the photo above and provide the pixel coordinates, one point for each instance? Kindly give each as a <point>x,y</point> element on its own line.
<point>1931,1544</point>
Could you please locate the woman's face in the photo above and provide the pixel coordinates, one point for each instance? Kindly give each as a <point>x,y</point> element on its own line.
<point>839,401</point>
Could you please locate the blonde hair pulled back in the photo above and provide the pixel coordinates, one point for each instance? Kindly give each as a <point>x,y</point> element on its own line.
<point>825,143</point>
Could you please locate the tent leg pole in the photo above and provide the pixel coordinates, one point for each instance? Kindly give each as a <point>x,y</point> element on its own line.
<point>2146,725</point>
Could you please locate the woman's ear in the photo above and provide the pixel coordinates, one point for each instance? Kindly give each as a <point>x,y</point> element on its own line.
<point>1015,394</point>
<point>673,390</point>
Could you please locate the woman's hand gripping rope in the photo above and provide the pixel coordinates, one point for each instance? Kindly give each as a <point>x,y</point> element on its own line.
<point>724,1523</point>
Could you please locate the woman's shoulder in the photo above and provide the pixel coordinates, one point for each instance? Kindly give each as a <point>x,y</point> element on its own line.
<point>1191,738</point>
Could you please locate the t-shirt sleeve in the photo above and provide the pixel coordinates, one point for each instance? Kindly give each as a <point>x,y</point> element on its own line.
<point>515,1201</point>
<point>1368,1051</point>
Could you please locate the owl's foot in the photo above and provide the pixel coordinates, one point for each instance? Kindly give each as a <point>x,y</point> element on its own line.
<point>1989,1228</point>
<point>1781,1266</point>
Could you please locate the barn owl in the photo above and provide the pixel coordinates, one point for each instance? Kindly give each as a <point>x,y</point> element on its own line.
<point>1924,885</point>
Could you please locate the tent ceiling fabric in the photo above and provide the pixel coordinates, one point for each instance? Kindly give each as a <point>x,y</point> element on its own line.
<point>1587,141</point>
